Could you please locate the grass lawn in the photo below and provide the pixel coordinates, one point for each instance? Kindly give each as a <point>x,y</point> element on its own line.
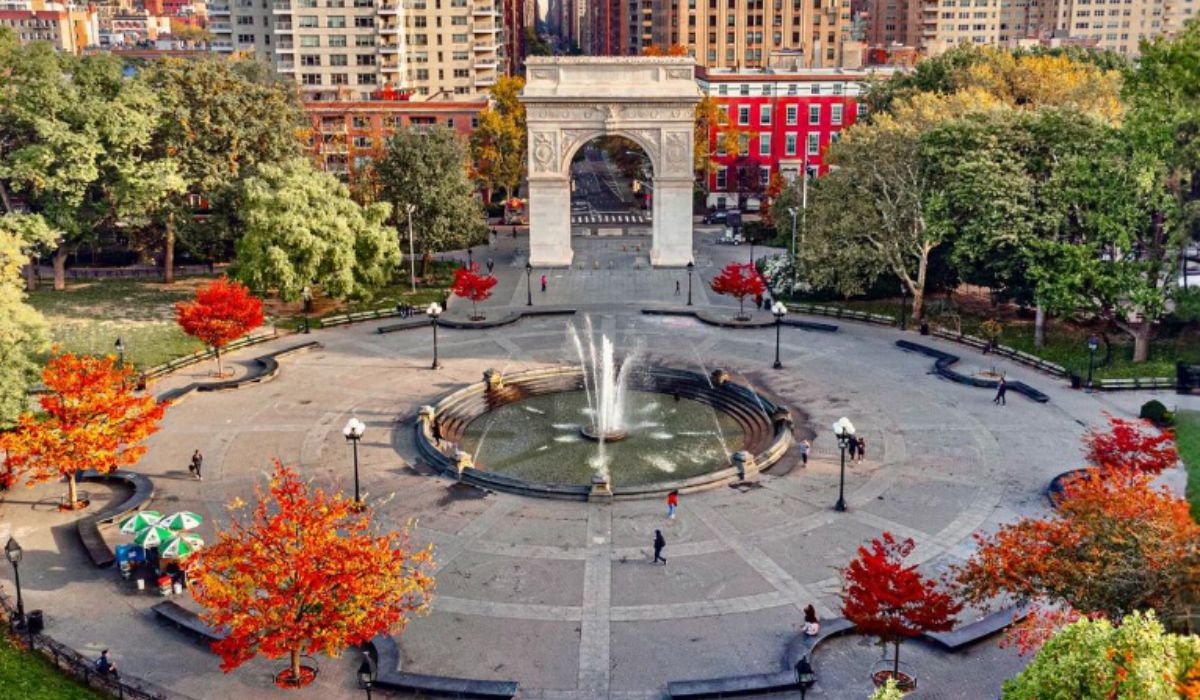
<point>1187,439</point>
<point>32,677</point>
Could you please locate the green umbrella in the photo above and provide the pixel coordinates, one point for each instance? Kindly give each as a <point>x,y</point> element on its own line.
<point>183,520</point>
<point>181,545</point>
<point>140,521</point>
<point>153,536</point>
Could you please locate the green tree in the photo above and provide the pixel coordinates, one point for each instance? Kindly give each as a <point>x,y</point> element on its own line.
<point>423,168</point>
<point>301,228</point>
<point>498,142</point>
<point>23,331</point>
<point>219,121</point>
<point>1097,660</point>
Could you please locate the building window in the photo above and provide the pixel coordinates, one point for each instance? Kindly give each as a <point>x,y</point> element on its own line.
<point>364,59</point>
<point>764,175</point>
<point>359,122</point>
<point>339,79</point>
<point>814,114</point>
<point>722,175</point>
<point>458,21</point>
<point>720,144</point>
<point>744,115</point>
<point>764,115</point>
<point>836,116</point>
<point>764,144</point>
<point>366,78</point>
<point>458,38</point>
<point>362,141</point>
<point>309,42</point>
<point>744,144</point>
<point>336,22</point>
<point>364,40</point>
<point>245,38</point>
<point>792,116</point>
<point>337,41</point>
<point>310,60</point>
<point>462,72</point>
<point>722,89</point>
<point>308,21</point>
<point>789,147</point>
<point>814,144</point>
<point>337,59</point>
<point>310,79</point>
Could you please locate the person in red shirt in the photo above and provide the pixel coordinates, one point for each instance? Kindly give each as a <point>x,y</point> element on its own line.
<point>672,504</point>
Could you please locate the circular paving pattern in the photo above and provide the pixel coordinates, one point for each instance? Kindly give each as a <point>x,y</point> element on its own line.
<point>560,595</point>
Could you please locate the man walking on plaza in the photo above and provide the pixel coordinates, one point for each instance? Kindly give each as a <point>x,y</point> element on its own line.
<point>197,462</point>
<point>672,504</point>
<point>659,543</point>
<point>1001,390</point>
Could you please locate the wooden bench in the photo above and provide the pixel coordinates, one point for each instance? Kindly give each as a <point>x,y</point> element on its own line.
<point>1135,383</point>
<point>186,620</point>
<point>389,677</point>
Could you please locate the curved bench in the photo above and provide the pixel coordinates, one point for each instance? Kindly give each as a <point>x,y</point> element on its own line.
<point>180,617</point>
<point>508,317</point>
<point>941,366</point>
<point>1058,485</point>
<point>89,528</point>
<point>265,368</point>
<point>980,629</point>
<point>757,321</point>
<point>389,677</point>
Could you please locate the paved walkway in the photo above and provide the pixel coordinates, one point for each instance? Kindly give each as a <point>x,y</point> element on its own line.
<point>560,596</point>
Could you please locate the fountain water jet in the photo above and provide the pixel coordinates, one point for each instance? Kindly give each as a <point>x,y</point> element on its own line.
<point>604,384</point>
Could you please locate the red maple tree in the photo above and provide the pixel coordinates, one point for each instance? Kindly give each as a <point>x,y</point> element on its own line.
<point>1131,445</point>
<point>739,281</point>
<point>306,572</point>
<point>222,311</point>
<point>90,419</point>
<point>469,284</point>
<point>888,599</point>
<point>1112,546</point>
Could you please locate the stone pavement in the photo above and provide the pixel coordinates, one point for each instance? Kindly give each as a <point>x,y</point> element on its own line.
<point>560,596</point>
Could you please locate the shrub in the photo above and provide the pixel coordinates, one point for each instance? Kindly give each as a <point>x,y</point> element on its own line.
<point>1155,412</point>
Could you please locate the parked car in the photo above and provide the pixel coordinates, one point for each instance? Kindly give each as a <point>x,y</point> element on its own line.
<point>716,217</point>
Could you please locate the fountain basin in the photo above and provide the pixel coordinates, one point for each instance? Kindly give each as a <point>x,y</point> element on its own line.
<point>527,435</point>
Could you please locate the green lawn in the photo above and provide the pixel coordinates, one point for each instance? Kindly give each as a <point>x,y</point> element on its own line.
<point>33,677</point>
<point>1187,439</point>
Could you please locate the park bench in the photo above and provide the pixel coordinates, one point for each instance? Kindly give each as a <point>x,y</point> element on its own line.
<point>980,629</point>
<point>93,541</point>
<point>839,312</point>
<point>186,620</point>
<point>943,361</point>
<point>1135,383</point>
<point>388,676</point>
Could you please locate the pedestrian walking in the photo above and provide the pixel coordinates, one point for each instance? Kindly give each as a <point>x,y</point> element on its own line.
<point>853,448</point>
<point>514,232</point>
<point>543,284</point>
<point>104,666</point>
<point>805,446</point>
<point>490,264</point>
<point>812,626</point>
<point>862,449</point>
<point>676,287</point>
<point>659,543</point>
<point>672,504</point>
<point>197,462</point>
<point>1001,390</point>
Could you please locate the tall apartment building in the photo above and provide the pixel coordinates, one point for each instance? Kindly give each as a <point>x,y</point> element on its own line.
<point>69,28</point>
<point>353,49</point>
<point>932,26</point>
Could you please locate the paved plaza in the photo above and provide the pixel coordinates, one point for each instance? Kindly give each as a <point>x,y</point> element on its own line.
<point>560,596</point>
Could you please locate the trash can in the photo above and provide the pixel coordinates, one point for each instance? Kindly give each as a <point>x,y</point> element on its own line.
<point>924,328</point>
<point>35,622</point>
<point>1076,381</point>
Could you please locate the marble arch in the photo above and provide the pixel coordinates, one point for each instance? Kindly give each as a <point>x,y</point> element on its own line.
<point>569,101</point>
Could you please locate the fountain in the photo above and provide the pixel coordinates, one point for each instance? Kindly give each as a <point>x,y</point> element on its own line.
<point>604,385</point>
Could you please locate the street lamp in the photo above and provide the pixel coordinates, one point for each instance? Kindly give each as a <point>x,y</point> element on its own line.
<point>366,675</point>
<point>306,295</point>
<point>780,311</point>
<point>528,283</point>
<point>412,258</point>
<point>691,267</point>
<point>13,552</point>
<point>903,306</point>
<point>805,678</point>
<point>843,430</point>
<point>792,289</point>
<point>1093,343</point>
<point>120,348</point>
<point>470,258</point>
<point>434,310</point>
<point>354,431</point>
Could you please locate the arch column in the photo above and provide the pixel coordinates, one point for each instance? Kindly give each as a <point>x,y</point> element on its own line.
<point>672,244</point>
<point>550,221</point>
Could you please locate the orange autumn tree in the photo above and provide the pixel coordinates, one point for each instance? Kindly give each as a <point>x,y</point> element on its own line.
<point>306,572</point>
<point>1114,546</point>
<point>90,419</point>
<point>222,311</point>
<point>891,600</point>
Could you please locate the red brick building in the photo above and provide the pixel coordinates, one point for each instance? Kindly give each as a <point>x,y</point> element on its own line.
<point>344,136</point>
<point>785,122</point>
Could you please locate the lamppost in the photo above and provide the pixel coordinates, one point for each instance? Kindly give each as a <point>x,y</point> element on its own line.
<point>528,283</point>
<point>780,311</point>
<point>1093,343</point>
<point>120,348</point>
<point>792,289</point>
<point>412,258</point>
<point>691,267</point>
<point>13,552</point>
<point>366,675</point>
<point>805,678</point>
<point>354,431</point>
<point>434,310</point>
<point>306,295</point>
<point>843,430</point>
<point>470,258</point>
<point>903,306</point>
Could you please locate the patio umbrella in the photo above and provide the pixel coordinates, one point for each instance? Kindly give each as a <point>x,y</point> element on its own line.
<point>140,521</point>
<point>153,536</point>
<point>181,545</point>
<point>183,520</point>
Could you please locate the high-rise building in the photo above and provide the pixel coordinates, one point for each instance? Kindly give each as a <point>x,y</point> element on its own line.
<point>354,49</point>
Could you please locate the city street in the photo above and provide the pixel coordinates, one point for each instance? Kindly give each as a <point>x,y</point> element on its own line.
<point>601,195</point>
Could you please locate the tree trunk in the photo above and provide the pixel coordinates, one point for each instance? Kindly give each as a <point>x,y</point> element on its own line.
<point>1141,340</point>
<point>217,352</point>
<point>60,269</point>
<point>1039,326</point>
<point>72,492</point>
<point>918,306</point>
<point>896,663</point>
<point>169,253</point>
<point>296,665</point>
<point>31,274</point>
<point>426,260</point>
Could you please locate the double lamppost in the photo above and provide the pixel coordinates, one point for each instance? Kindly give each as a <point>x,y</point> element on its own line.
<point>691,267</point>
<point>119,346</point>
<point>306,296</point>
<point>354,431</point>
<point>434,310</point>
<point>1093,344</point>
<point>366,675</point>
<point>843,430</point>
<point>780,311</point>
<point>528,283</point>
<point>13,552</point>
